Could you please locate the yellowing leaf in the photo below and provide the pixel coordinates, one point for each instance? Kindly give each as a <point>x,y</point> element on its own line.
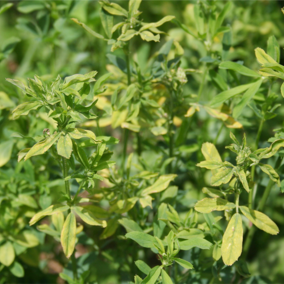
<point>27,239</point>
<point>210,152</point>
<point>64,146</point>
<point>263,57</point>
<point>79,133</point>
<point>210,165</point>
<point>222,176</point>
<point>6,152</point>
<point>68,235</point>
<point>208,205</point>
<point>88,217</point>
<point>232,240</point>
<point>7,254</point>
<point>148,36</point>
<point>42,146</point>
<point>260,220</point>
<point>243,179</point>
<point>271,172</point>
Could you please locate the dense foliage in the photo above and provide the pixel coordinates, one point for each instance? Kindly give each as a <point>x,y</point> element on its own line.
<point>141,142</point>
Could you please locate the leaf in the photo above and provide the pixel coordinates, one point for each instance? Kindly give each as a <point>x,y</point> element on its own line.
<point>222,176</point>
<point>232,240</point>
<point>199,19</point>
<point>262,57</point>
<point>238,68</point>
<point>27,239</point>
<point>133,7</point>
<point>153,275</point>
<point>64,146</point>
<point>130,225</point>
<point>210,165</point>
<point>272,150</point>
<point>160,184</point>
<point>185,264</point>
<point>42,146</point>
<point>260,220</point>
<point>107,22</point>
<point>282,90</point>
<point>27,200</point>
<point>148,36</point>
<point>194,242</point>
<point>7,254</point>
<point>111,228</point>
<point>6,152</point>
<point>88,217</point>
<point>166,279</point>
<point>207,205</point>
<point>128,35</point>
<point>30,6</point>
<point>216,253</point>
<point>221,16</point>
<point>143,239</point>
<point>24,109</point>
<point>5,7</point>
<point>142,266</point>
<point>210,152</point>
<point>49,231</point>
<point>157,24</point>
<point>243,179</point>
<point>159,130</point>
<point>225,95</point>
<point>89,30</point>
<point>212,192</point>
<point>9,45</point>
<point>78,78</point>
<point>17,269</point>
<point>248,95</point>
<point>270,172</point>
<point>48,211</point>
<point>273,48</point>
<point>78,133</point>
<point>68,235</point>
<point>114,9</point>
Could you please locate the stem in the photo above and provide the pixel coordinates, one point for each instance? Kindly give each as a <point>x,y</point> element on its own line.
<point>251,193</point>
<point>202,84</point>
<point>237,202</point>
<point>218,134</point>
<point>170,131</point>
<point>74,266</point>
<point>139,144</point>
<point>260,208</point>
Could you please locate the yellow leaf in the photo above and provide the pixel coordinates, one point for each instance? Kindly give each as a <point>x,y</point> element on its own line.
<point>232,240</point>
<point>210,152</point>
<point>68,235</point>
<point>207,205</point>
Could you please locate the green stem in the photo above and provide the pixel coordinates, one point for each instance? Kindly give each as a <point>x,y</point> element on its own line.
<point>170,131</point>
<point>260,208</point>
<point>74,266</point>
<point>139,144</point>
<point>237,202</point>
<point>218,134</point>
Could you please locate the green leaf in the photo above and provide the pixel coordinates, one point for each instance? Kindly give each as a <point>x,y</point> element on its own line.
<point>58,220</point>
<point>221,16</point>
<point>273,48</point>
<point>142,266</point>
<point>78,78</point>
<point>185,264</point>
<point>222,97</point>
<point>47,230</point>
<point>270,172</point>
<point>107,22</point>
<point>9,45</point>
<point>216,253</point>
<point>160,184</point>
<point>243,179</point>
<point>222,176</point>
<point>24,109</point>
<point>133,7</point>
<point>260,220</point>
<point>7,254</point>
<point>68,235</point>
<point>5,7</point>
<point>212,192</point>
<point>42,146</point>
<point>207,205</point>
<point>194,242</point>
<point>232,240</point>
<point>89,30</point>
<point>199,19</point>
<point>128,35</point>
<point>282,90</point>
<point>30,6</point>
<point>6,152</point>
<point>238,68</point>
<point>248,95</point>
<point>148,36</point>
<point>114,9</point>
<point>166,279</point>
<point>64,146</point>
<point>272,150</point>
<point>210,165</point>
<point>112,226</point>
<point>17,269</point>
<point>48,211</point>
<point>143,239</point>
<point>210,152</point>
<point>88,217</point>
<point>263,58</point>
<point>27,239</point>
<point>153,275</point>
<point>78,133</point>
<point>130,225</point>
<point>157,24</point>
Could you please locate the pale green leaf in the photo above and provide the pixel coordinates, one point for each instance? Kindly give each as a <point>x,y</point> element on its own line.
<point>78,133</point>
<point>185,264</point>
<point>49,231</point>
<point>7,6</point>
<point>238,68</point>
<point>88,217</point>
<point>107,22</point>
<point>128,35</point>
<point>58,221</point>
<point>270,172</point>
<point>6,152</point>
<point>273,48</point>
<point>282,90</point>
<point>68,235</point>
<point>210,152</point>
<point>232,240</point>
<point>166,279</point>
<point>133,7</point>
<point>143,239</point>
<point>142,266</point>
<point>64,146</point>
<point>153,275</point>
<point>157,24</point>
<point>27,239</point>
<point>130,225</point>
<point>114,9</point>
<point>17,269</point>
<point>160,184</point>
<point>272,150</point>
<point>262,57</point>
<point>24,109</point>
<point>194,242</point>
<point>27,200</point>
<point>7,254</point>
<point>148,36</point>
<point>212,192</point>
<point>222,176</point>
<point>210,165</point>
<point>243,179</point>
<point>260,220</point>
<point>216,253</point>
<point>207,205</point>
<point>78,78</point>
